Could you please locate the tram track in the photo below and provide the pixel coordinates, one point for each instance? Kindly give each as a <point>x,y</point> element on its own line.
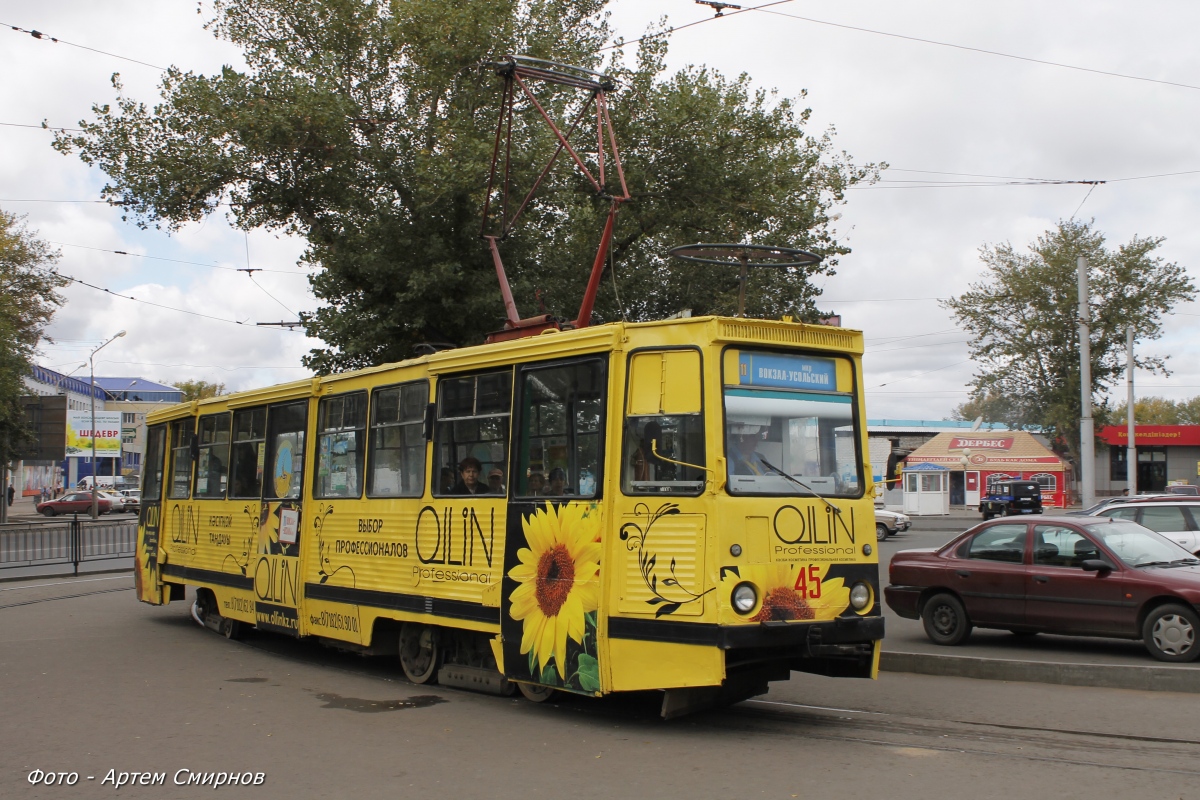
<point>34,601</point>
<point>900,732</point>
<point>1026,743</point>
<point>1030,743</point>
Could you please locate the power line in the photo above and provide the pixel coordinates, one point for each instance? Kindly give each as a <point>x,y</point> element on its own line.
<point>173,260</point>
<point>919,374</point>
<point>46,37</point>
<point>977,50</point>
<point>156,305</point>
<point>202,366</point>
<point>669,31</point>
<point>42,127</point>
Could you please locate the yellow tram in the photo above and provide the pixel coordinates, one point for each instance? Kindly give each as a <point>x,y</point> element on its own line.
<point>679,505</point>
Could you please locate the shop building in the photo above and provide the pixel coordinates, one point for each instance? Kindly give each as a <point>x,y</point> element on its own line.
<point>1166,454</point>
<point>972,460</point>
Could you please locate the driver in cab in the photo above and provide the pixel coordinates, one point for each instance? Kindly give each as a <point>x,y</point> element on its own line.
<point>743,449</point>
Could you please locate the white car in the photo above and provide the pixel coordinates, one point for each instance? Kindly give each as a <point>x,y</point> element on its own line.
<point>889,522</point>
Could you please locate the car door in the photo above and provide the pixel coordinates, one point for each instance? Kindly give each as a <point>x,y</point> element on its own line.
<point>989,575</point>
<point>1061,596</point>
<point>76,503</point>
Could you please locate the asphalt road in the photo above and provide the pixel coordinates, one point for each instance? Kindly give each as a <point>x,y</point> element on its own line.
<point>93,681</point>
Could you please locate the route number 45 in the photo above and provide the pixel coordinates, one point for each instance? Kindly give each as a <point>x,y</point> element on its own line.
<point>808,583</point>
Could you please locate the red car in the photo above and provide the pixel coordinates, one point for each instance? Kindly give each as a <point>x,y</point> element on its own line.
<point>1087,576</point>
<point>74,503</point>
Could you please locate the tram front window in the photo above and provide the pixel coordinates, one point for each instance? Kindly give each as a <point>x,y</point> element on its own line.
<point>807,435</point>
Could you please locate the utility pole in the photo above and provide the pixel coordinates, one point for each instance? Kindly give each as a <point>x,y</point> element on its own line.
<point>1087,438</point>
<point>1130,447</point>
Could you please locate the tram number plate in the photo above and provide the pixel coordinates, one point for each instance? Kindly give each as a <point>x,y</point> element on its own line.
<point>808,583</point>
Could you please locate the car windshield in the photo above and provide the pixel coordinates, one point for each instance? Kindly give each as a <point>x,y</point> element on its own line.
<point>1138,546</point>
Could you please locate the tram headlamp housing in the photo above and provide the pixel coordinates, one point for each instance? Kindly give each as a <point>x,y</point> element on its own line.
<point>744,598</point>
<point>860,596</point>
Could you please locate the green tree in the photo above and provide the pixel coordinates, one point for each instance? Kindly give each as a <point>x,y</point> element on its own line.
<point>1150,411</point>
<point>28,299</point>
<point>197,390</point>
<point>1022,319</point>
<point>367,127</point>
<point>1189,411</point>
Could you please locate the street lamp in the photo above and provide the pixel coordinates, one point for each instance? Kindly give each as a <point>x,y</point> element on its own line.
<point>92,373</point>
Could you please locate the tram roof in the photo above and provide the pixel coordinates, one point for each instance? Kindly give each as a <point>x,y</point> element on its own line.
<point>595,338</point>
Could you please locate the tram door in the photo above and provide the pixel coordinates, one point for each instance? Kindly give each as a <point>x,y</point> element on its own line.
<point>147,576</point>
<point>276,563</point>
<point>659,564</point>
<point>550,595</point>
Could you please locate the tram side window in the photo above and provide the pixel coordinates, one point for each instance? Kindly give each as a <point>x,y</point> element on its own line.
<point>398,441</point>
<point>285,451</point>
<point>181,458</point>
<point>472,422</point>
<point>212,463</point>
<point>152,465</point>
<point>341,443</point>
<point>562,415</point>
<point>664,424</point>
<point>249,452</point>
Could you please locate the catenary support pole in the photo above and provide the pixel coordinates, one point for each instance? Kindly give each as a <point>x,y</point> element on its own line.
<point>1087,439</point>
<point>1130,446</point>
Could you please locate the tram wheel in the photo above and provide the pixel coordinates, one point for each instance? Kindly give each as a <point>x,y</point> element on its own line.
<point>419,653</point>
<point>536,694</point>
<point>231,628</point>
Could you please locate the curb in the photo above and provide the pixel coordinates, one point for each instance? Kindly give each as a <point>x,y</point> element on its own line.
<point>1109,676</point>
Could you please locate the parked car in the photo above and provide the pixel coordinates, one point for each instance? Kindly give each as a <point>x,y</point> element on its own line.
<point>1178,519</point>
<point>119,501</point>
<point>889,522</point>
<point>1089,576</point>
<point>1112,501</point>
<point>1008,498</point>
<point>133,499</point>
<point>75,503</point>
<point>1189,491</point>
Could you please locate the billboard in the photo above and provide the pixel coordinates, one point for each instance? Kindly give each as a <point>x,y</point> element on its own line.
<point>108,434</point>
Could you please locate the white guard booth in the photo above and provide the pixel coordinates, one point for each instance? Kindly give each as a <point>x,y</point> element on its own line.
<point>926,490</point>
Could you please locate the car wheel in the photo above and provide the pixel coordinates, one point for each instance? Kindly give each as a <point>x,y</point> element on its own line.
<point>945,620</point>
<point>1170,633</point>
<point>49,511</point>
<point>881,531</point>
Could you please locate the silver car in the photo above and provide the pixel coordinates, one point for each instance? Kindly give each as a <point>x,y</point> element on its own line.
<point>889,522</point>
<point>1178,520</point>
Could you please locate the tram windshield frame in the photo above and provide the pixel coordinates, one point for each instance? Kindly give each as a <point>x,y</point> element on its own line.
<point>812,436</point>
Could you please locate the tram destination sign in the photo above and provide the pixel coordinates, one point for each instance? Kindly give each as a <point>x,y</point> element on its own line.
<point>787,372</point>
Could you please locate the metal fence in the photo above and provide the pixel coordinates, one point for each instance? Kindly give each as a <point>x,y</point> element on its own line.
<point>64,542</point>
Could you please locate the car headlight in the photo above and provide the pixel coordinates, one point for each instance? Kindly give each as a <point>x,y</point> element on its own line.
<point>744,598</point>
<point>860,595</point>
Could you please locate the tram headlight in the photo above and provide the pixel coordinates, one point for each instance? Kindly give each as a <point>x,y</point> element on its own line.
<point>744,598</point>
<point>860,596</point>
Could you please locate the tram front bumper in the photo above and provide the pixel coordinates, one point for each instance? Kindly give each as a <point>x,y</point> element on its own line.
<point>840,636</point>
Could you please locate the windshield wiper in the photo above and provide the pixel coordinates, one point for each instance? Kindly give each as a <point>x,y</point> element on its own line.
<point>799,483</point>
<point>1183,562</point>
<point>1153,564</point>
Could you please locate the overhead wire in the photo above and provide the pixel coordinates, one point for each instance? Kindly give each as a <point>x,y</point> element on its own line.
<point>976,49</point>
<point>159,305</point>
<point>174,260</point>
<point>47,37</point>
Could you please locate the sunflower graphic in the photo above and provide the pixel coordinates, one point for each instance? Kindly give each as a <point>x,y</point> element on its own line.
<point>557,581</point>
<point>784,601</point>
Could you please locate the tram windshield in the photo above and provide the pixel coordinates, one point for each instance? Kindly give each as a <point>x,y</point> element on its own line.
<point>807,435</point>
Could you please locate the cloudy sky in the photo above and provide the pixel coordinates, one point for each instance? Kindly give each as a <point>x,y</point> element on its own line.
<point>966,102</point>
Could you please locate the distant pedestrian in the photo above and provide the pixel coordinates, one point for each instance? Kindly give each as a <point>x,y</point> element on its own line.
<point>45,493</point>
<point>12,492</point>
